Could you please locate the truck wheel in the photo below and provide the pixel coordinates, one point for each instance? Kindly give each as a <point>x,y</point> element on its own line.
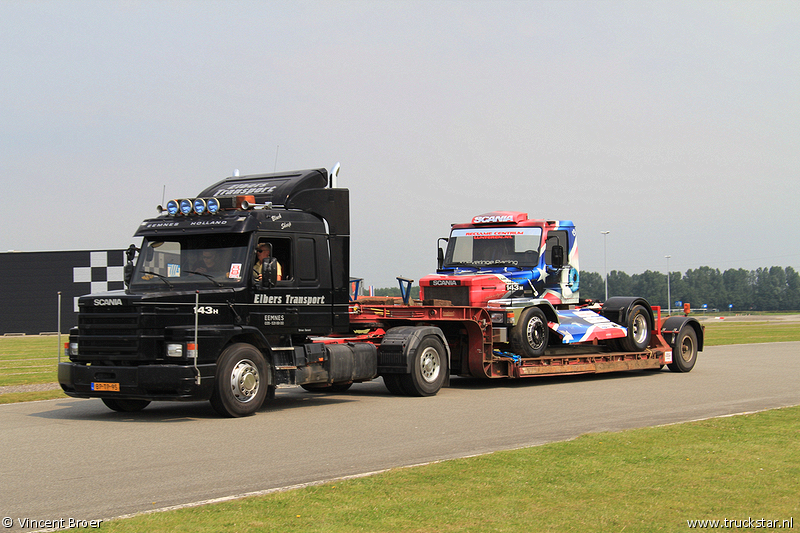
<point>428,370</point>
<point>125,406</point>
<point>684,352</point>
<point>529,338</point>
<point>241,382</point>
<point>638,325</point>
<point>394,383</point>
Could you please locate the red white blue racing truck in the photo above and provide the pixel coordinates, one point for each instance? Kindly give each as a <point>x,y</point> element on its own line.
<point>525,273</point>
<point>246,288</point>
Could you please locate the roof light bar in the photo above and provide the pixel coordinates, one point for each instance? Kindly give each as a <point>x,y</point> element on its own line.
<point>187,206</point>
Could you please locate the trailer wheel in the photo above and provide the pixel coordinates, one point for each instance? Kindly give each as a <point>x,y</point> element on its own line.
<point>241,382</point>
<point>428,370</point>
<point>125,406</point>
<point>530,337</point>
<point>638,325</point>
<point>684,351</point>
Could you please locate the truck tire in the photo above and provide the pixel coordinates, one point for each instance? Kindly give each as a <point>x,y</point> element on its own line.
<point>394,383</point>
<point>428,369</point>
<point>241,383</point>
<point>684,351</point>
<point>125,406</point>
<point>529,338</point>
<point>638,325</point>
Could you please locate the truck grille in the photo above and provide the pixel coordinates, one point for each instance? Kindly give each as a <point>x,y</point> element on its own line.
<point>108,331</point>
<point>457,295</point>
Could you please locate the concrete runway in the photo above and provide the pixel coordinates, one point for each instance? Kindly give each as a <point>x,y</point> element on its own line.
<point>77,459</point>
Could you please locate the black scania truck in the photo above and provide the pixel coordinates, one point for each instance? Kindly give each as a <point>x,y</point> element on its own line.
<point>198,322</point>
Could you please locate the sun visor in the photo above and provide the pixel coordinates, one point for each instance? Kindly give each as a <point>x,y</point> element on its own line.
<point>277,188</point>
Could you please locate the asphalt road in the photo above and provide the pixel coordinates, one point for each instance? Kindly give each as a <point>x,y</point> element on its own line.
<point>77,459</point>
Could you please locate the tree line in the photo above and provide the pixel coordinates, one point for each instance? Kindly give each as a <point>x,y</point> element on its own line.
<point>764,289</point>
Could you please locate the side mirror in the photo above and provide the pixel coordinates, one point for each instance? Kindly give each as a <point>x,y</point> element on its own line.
<point>269,272</point>
<point>130,254</point>
<point>128,273</point>
<point>440,254</point>
<point>558,256</point>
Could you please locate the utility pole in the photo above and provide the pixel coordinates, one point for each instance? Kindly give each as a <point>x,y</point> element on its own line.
<point>669,296</point>
<point>605,262</point>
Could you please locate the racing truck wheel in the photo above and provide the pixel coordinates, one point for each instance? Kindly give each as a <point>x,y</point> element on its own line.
<point>125,406</point>
<point>638,325</point>
<point>529,338</point>
<point>241,383</point>
<point>428,369</point>
<point>684,351</point>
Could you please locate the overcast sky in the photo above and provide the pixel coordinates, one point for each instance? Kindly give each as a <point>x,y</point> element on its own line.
<point>674,125</point>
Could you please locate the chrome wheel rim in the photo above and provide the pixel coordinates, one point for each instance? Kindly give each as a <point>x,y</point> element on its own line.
<point>245,381</point>
<point>639,329</point>
<point>430,364</point>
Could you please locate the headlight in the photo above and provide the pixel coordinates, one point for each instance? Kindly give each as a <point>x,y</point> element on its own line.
<point>174,350</point>
<point>172,207</point>
<point>199,206</point>
<point>186,206</point>
<point>213,205</point>
<point>497,318</point>
<point>73,348</point>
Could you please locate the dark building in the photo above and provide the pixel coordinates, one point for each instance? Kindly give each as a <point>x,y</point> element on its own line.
<point>31,282</point>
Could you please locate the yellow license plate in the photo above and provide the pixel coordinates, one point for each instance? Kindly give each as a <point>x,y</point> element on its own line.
<point>98,386</point>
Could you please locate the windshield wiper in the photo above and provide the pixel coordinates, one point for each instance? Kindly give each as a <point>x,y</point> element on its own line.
<point>159,276</point>
<point>217,283</point>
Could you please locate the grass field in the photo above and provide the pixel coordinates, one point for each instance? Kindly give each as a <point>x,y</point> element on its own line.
<point>29,360</point>
<point>721,333</point>
<point>743,469</point>
<point>654,479</point>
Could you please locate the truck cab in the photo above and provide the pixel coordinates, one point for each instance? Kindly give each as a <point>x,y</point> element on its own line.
<point>504,254</point>
<point>199,302</point>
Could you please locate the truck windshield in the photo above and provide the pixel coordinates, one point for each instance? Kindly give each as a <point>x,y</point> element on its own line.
<point>181,261</point>
<point>487,247</point>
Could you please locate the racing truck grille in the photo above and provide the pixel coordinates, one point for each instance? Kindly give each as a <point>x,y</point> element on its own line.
<point>108,332</point>
<point>457,295</point>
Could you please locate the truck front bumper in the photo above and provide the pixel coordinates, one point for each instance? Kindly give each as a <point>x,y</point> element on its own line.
<point>145,382</point>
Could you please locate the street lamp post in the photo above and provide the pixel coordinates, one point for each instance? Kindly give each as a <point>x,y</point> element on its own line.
<point>605,262</point>
<point>669,295</point>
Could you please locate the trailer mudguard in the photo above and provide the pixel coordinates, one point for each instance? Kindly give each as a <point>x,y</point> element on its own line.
<point>617,308</point>
<point>399,346</point>
<point>673,326</point>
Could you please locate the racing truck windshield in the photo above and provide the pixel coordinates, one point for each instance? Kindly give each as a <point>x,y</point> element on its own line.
<point>194,260</point>
<point>490,247</point>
